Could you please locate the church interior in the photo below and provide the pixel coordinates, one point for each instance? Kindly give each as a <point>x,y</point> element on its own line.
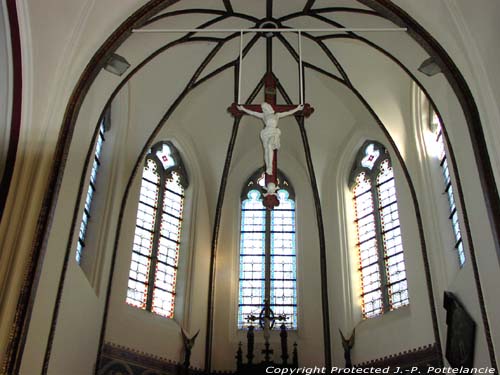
<point>238,187</point>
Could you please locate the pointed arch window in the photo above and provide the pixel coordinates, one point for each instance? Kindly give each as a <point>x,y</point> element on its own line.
<point>281,236</point>
<point>91,190</point>
<point>379,245</point>
<point>436,128</point>
<point>157,238</point>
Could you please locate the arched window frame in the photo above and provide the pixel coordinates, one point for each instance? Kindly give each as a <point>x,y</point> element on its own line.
<point>170,169</point>
<point>384,259</point>
<point>280,218</point>
<point>81,244</point>
<point>440,146</point>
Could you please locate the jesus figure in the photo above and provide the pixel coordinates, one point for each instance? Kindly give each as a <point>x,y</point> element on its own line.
<point>270,135</point>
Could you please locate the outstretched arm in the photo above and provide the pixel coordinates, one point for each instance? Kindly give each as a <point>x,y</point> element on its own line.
<point>249,112</point>
<point>300,107</point>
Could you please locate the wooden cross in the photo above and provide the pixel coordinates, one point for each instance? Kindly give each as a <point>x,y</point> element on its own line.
<point>270,201</point>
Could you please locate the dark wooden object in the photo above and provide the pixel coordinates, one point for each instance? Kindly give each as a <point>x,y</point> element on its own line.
<point>270,82</point>
<point>461,336</point>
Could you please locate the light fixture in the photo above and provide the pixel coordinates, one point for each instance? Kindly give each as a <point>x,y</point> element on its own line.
<point>116,64</point>
<point>429,67</point>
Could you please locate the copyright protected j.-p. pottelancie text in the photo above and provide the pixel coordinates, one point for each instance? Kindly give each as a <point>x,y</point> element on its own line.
<point>378,370</point>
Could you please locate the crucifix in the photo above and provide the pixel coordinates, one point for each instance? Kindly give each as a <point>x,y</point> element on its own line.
<point>270,112</point>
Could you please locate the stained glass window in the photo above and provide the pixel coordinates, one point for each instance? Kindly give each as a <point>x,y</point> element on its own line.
<point>157,238</point>
<point>252,280</point>
<point>380,249</point>
<point>80,245</point>
<point>448,188</point>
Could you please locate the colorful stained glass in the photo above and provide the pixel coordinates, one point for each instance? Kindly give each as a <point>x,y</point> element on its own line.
<point>391,234</point>
<point>164,155</point>
<point>252,256</point>
<point>380,250</point>
<point>142,248</point>
<point>283,260</point>
<point>371,156</point>
<point>90,195</point>
<point>155,252</point>
<point>367,247</point>
<point>436,125</point>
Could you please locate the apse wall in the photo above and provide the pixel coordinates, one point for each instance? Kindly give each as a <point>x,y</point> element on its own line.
<point>448,275</point>
<point>407,328</point>
<point>82,291</point>
<point>309,333</point>
<point>200,128</point>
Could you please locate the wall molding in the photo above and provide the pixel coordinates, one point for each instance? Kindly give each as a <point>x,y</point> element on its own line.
<point>138,362</point>
<point>423,356</point>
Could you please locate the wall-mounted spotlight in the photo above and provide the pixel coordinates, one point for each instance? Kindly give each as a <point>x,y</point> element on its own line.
<point>429,67</point>
<point>116,64</point>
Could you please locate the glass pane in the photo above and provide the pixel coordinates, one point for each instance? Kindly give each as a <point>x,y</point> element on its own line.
<point>448,187</point>
<point>142,247</point>
<point>163,303</point>
<point>283,261</point>
<point>367,247</point>
<point>252,258</point>
<point>371,156</point>
<point>165,157</point>
<point>168,247</point>
<point>282,286</point>
<point>136,294</point>
<point>90,194</point>
<point>372,304</point>
<point>391,234</point>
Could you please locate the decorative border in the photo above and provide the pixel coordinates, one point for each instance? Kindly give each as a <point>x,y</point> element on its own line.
<point>115,352</point>
<point>144,361</point>
<point>422,356</point>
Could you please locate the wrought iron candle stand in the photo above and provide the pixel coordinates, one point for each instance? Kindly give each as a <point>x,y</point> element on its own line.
<point>266,321</point>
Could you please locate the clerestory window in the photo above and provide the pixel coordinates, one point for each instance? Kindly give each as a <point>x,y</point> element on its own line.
<point>157,239</point>
<point>277,228</point>
<point>91,190</point>
<point>379,245</point>
<point>436,128</point>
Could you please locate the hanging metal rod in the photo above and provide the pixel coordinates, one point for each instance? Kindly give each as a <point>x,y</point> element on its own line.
<point>270,30</point>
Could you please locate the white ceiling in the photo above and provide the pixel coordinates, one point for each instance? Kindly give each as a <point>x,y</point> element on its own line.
<point>203,118</point>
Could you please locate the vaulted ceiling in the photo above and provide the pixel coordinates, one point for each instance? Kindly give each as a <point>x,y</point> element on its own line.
<point>186,81</point>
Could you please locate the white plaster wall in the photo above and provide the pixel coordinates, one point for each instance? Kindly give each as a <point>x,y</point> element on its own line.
<point>54,54</point>
<point>468,33</point>
<point>481,237</point>
<point>403,329</point>
<point>145,331</point>
<point>80,312</point>
<point>309,333</point>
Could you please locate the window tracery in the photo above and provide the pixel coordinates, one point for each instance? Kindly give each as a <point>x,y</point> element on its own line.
<point>252,281</point>
<point>157,238</point>
<point>435,127</point>
<point>91,190</point>
<point>379,243</point>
